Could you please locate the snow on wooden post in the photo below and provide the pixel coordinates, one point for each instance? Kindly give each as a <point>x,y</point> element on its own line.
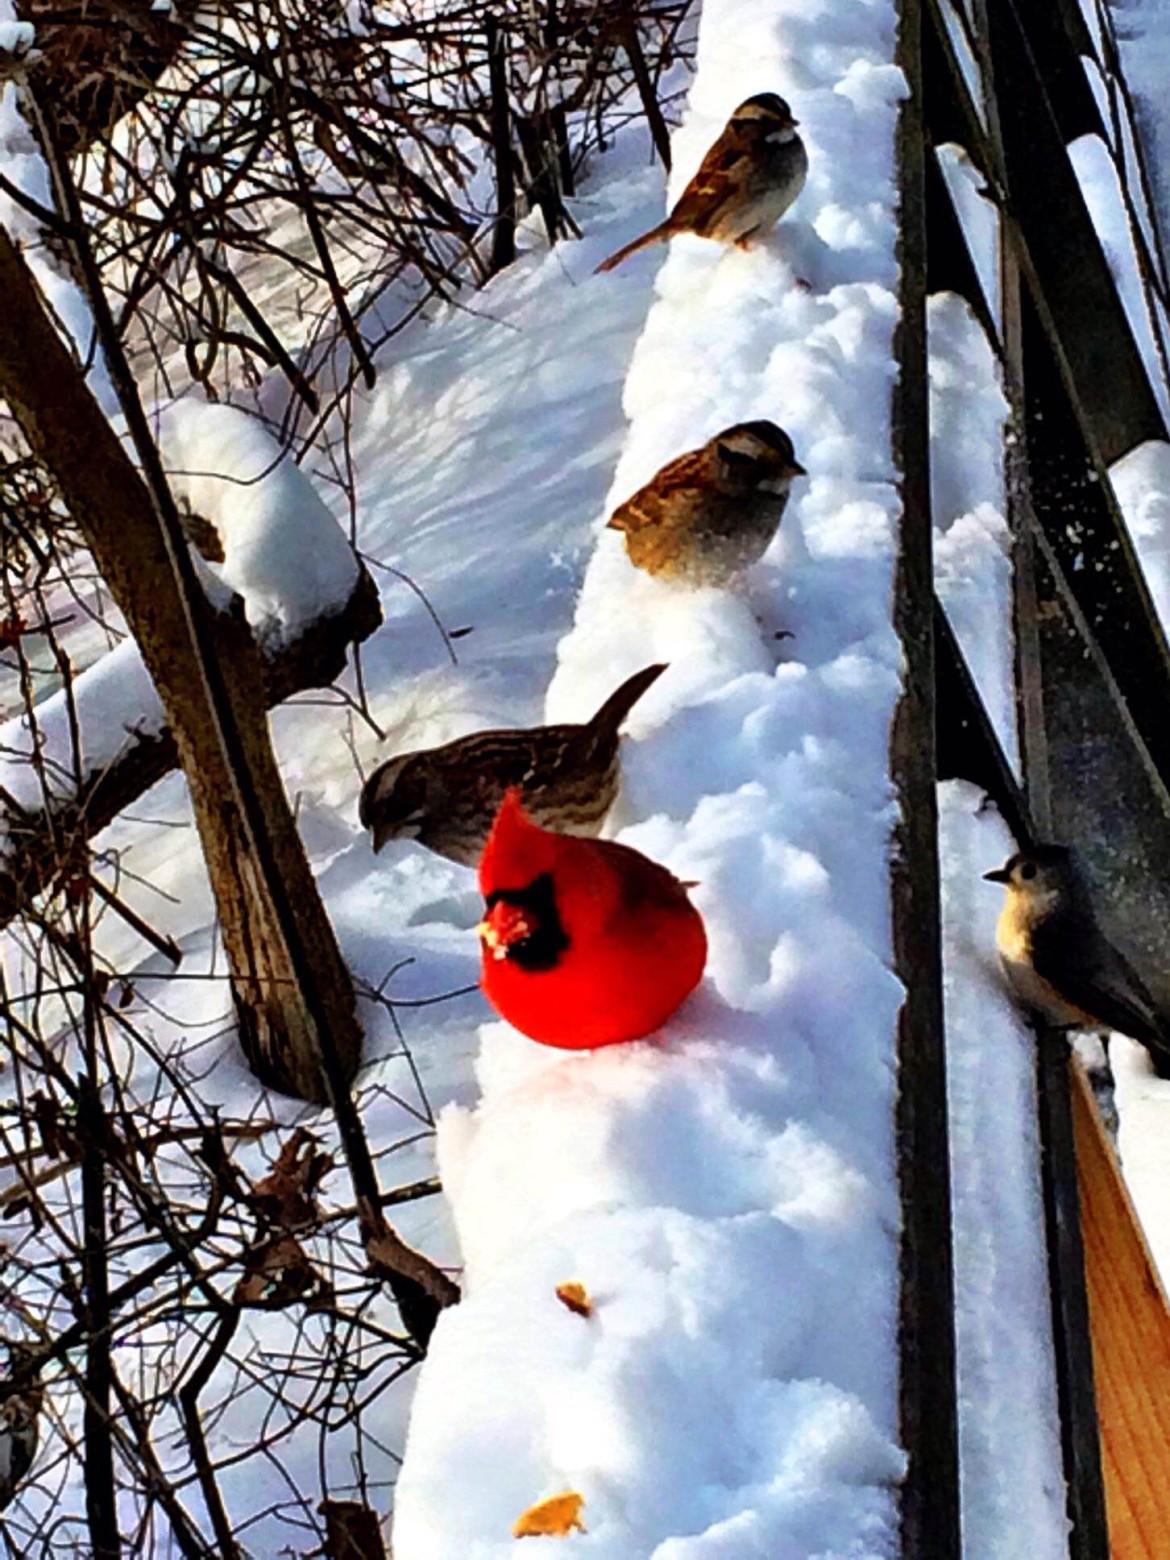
<point>293,997</point>
<point>41,834</point>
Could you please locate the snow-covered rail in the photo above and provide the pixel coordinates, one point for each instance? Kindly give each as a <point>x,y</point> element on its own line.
<point>729,1196</point>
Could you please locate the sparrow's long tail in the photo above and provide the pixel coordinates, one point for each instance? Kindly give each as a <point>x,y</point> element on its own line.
<point>604,725</point>
<point>655,236</point>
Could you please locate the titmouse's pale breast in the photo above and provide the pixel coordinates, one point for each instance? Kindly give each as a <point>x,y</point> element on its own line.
<point>1038,994</point>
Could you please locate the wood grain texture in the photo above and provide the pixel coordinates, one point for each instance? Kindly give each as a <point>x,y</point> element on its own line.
<point>1130,1328</point>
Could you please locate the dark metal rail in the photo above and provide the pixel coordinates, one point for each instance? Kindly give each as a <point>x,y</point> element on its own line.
<point>1093,666</point>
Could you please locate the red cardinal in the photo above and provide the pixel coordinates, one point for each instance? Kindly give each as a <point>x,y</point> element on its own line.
<point>585,942</point>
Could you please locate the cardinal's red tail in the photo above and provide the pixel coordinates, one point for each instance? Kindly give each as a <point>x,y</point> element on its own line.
<point>655,236</point>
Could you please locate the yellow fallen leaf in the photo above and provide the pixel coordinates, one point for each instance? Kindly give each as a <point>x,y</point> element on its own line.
<point>558,1516</point>
<point>576,1297</point>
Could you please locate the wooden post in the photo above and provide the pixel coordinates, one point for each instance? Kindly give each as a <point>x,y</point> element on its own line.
<point>295,1004</point>
<point>504,237</point>
<point>658,131</point>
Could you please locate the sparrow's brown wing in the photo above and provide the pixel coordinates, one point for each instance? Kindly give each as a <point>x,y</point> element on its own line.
<point>571,779</point>
<point>1079,961</point>
<point>678,481</point>
<point>465,785</point>
<point>725,176</point>
<point>491,761</point>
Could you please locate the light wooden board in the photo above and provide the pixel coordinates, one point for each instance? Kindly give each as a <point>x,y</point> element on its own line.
<point>1130,1326</point>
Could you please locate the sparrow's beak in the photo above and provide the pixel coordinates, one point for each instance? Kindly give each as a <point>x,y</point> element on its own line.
<point>998,876</point>
<point>797,469</point>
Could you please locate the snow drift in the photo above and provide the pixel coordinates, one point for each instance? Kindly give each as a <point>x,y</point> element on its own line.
<point>726,1192</point>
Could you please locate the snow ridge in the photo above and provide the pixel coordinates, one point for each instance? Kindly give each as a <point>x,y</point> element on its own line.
<point>283,552</point>
<point>726,1194</point>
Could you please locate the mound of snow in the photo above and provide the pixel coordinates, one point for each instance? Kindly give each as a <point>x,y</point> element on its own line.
<point>284,553</point>
<point>725,1192</point>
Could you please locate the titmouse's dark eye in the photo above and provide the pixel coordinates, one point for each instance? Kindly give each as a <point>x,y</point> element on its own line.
<point>1028,871</point>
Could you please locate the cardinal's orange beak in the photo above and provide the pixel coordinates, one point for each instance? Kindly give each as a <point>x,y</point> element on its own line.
<point>490,937</point>
<point>502,926</point>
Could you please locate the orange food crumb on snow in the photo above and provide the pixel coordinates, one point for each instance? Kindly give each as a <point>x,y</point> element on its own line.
<point>558,1516</point>
<point>576,1297</point>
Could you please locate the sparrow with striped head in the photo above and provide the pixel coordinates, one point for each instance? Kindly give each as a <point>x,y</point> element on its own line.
<point>709,514</point>
<point>585,942</point>
<point>744,185</point>
<point>1058,961</point>
<point>446,797</point>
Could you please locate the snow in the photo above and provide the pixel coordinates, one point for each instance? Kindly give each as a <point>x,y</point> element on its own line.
<point>745,1417</point>
<point>726,1192</point>
<point>978,219</point>
<point>1143,1112</point>
<point>114,700</point>
<point>16,38</point>
<point>955,22</point>
<point>1110,172</point>
<point>1141,485</point>
<point>693,1401</point>
<point>283,551</point>
<point>972,543</point>
<point>1143,35</point>
<point>1101,187</point>
<point>480,459</point>
<point>1009,1427</point>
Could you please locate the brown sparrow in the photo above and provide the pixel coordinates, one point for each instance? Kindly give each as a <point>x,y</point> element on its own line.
<point>447,797</point>
<point>710,513</point>
<point>744,185</point>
